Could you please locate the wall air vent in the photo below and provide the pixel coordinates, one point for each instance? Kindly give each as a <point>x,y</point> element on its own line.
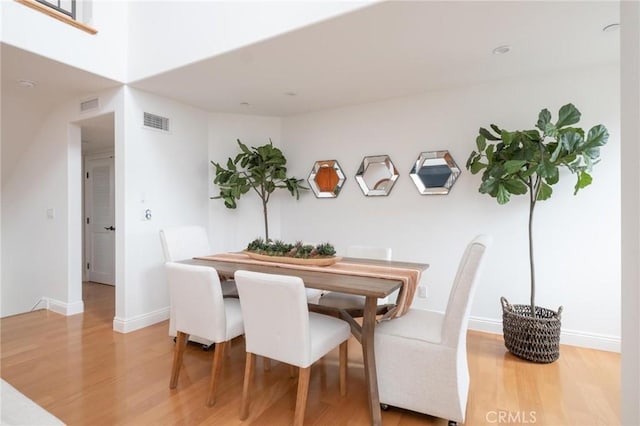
<point>156,122</point>
<point>90,105</point>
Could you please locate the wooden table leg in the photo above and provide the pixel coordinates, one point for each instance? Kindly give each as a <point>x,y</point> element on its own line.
<point>371,378</point>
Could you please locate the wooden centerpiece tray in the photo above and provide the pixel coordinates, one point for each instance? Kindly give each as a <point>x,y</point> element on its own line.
<point>316,261</point>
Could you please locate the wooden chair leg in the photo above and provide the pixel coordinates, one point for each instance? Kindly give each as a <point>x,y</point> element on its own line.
<point>216,368</point>
<point>178,351</point>
<point>343,362</point>
<point>248,378</point>
<point>301,397</point>
<point>266,364</point>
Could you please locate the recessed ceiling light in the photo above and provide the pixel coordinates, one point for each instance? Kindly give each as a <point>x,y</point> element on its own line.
<point>501,50</point>
<point>611,27</point>
<point>28,84</point>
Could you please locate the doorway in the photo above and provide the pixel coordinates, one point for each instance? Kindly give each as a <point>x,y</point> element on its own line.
<point>98,183</point>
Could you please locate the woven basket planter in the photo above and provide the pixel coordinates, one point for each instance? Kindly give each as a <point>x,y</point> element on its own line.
<point>534,339</point>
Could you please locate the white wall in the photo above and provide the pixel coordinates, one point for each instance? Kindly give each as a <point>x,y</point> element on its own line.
<point>168,174</point>
<point>1,178</point>
<point>42,256</point>
<point>630,64</point>
<point>101,53</point>
<point>577,239</point>
<point>38,182</point>
<point>214,27</point>
<point>232,229</point>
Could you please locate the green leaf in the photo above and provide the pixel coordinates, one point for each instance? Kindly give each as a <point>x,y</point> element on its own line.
<point>481,143</point>
<point>550,130</point>
<point>496,171</point>
<point>243,147</point>
<point>269,186</point>
<point>567,116</point>
<point>571,141</point>
<point>556,153</point>
<point>230,164</point>
<point>592,153</point>
<point>507,137</point>
<point>489,186</point>
<point>473,157</point>
<point>514,166</point>
<point>503,194</point>
<point>543,120</point>
<point>230,203</point>
<point>530,171</point>
<point>489,152</point>
<point>280,173</point>
<point>484,132</point>
<point>476,166</point>
<point>223,177</point>
<point>515,186</point>
<point>584,180</point>
<point>547,169</point>
<point>552,180</point>
<point>496,129</point>
<point>597,136</point>
<point>532,135</point>
<point>545,191</point>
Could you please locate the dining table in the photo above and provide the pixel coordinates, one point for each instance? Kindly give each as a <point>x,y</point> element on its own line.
<point>370,278</point>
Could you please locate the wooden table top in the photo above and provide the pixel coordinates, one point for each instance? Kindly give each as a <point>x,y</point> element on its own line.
<point>319,277</point>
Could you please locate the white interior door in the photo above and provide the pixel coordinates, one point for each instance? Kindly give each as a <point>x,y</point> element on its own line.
<point>100,236</point>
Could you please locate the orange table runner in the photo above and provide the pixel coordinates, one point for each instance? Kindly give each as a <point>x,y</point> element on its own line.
<point>410,277</point>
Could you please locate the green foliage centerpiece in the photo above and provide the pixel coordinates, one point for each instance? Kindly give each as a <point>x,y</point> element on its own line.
<point>302,254</point>
<point>262,169</point>
<point>297,250</point>
<point>529,161</point>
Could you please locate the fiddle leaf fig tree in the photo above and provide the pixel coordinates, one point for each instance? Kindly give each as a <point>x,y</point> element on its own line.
<point>262,169</point>
<point>529,161</point>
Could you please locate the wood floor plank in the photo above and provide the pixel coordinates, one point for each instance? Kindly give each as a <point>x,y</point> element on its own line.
<point>83,372</point>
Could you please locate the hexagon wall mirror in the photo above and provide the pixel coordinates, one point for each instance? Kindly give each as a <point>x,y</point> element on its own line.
<point>326,179</point>
<point>434,172</point>
<point>376,175</point>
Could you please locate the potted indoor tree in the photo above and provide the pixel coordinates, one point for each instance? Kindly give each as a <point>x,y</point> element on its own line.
<point>261,169</point>
<point>529,162</point>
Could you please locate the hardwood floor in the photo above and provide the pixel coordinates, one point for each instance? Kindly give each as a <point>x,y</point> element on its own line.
<point>84,373</point>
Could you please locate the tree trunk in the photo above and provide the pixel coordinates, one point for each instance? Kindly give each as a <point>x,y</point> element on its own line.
<point>266,221</point>
<point>533,194</point>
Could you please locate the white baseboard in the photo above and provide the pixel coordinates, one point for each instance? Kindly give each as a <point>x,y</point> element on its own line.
<point>567,337</point>
<point>126,325</point>
<point>488,325</point>
<point>64,308</point>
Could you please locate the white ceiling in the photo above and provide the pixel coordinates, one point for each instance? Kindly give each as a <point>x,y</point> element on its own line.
<point>394,49</point>
<point>56,83</point>
<point>386,50</point>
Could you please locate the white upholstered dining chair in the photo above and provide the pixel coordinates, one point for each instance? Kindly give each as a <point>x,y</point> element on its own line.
<point>353,302</point>
<point>186,242</point>
<point>200,309</point>
<point>421,357</point>
<point>278,325</point>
